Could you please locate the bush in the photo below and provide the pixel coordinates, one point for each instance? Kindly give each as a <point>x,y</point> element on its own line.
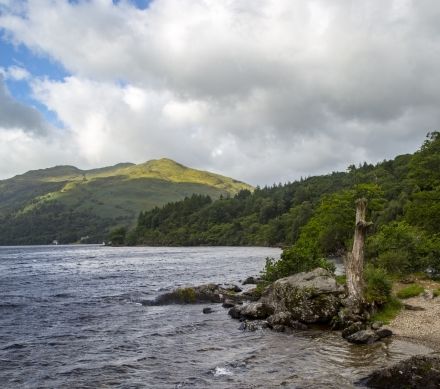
<point>400,248</point>
<point>293,261</point>
<point>410,291</point>
<point>394,261</point>
<point>378,286</point>
<point>117,236</point>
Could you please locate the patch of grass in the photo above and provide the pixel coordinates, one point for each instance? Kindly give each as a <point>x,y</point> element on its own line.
<point>341,279</point>
<point>187,295</point>
<point>388,311</point>
<point>436,292</point>
<point>410,291</point>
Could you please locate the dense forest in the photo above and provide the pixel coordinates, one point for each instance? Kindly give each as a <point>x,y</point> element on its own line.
<point>313,217</point>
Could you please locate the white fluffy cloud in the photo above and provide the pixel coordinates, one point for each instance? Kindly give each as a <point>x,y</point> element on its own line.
<point>260,90</point>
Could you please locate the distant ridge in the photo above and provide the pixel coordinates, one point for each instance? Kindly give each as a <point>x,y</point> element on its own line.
<point>68,204</point>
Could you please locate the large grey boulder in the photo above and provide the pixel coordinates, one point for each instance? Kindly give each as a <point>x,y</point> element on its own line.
<point>310,297</point>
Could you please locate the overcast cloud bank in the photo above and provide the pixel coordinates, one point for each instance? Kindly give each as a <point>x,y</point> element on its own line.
<point>262,91</point>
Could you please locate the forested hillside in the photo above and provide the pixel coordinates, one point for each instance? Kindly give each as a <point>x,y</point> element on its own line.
<point>70,205</point>
<point>315,216</point>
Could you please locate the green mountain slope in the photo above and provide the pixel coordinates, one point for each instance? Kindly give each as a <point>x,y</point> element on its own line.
<point>66,203</point>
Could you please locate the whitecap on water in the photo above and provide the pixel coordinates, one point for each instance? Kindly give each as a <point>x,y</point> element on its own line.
<point>222,371</point>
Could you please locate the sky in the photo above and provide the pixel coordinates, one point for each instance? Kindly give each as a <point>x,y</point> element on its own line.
<point>263,91</point>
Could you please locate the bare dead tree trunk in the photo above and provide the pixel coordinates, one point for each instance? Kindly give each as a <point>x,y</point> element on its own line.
<point>354,266</point>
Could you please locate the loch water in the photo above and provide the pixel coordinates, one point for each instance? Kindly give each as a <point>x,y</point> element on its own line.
<point>72,317</point>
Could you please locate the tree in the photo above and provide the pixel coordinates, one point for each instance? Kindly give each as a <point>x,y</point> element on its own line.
<point>355,260</point>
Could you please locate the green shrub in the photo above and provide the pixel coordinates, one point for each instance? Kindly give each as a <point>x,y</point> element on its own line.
<point>378,285</point>
<point>410,291</point>
<point>341,279</point>
<point>436,292</point>
<point>400,248</point>
<point>394,261</point>
<point>388,311</point>
<point>293,261</point>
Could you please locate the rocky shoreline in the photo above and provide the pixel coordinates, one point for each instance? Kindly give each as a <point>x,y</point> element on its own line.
<point>311,298</point>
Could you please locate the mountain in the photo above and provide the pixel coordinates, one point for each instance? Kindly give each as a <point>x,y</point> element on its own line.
<point>65,203</point>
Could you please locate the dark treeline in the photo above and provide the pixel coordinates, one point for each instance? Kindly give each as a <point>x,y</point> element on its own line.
<point>314,216</point>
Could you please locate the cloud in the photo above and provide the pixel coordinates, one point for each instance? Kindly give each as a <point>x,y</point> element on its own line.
<point>264,91</point>
<point>15,73</point>
<point>15,115</point>
<point>18,149</point>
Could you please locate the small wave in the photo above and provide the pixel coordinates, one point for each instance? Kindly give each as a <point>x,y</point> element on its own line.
<point>10,306</point>
<point>221,371</point>
<point>14,346</point>
<point>62,295</point>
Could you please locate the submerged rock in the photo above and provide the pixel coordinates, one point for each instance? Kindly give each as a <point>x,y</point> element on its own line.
<point>207,310</point>
<point>363,337</point>
<point>420,371</point>
<point>384,333</point>
<point>353,328</point>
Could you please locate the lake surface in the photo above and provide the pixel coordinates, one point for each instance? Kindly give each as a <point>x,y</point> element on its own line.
<point>71,317</point>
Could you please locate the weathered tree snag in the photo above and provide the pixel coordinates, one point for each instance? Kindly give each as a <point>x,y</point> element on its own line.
<point>354,266</point>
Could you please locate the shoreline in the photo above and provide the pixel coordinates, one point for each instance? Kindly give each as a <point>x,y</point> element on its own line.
<point>421,326</point>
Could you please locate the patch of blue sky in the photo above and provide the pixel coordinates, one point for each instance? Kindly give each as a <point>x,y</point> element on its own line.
<point>37,65</point>
<point>141,4</point>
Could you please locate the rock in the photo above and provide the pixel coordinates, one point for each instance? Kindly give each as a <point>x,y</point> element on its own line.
<point>310,297</point>
<point>384,333</point>
<point>282,321</point>
<point>251,294</point>
<point>280,318</point>
<point>230,287</point>
<point>279,328</point>
<point>363,337</point>
<point>413,307</point>
<point>408,279</point>
<point>297,325</point>
<point>235,313</point>
<point>420,371</point>
<point>228,304</point>
<point>428,294</point>
<point>253,325</point>
<point>353,328</point>
<point>255,311</point>
<point>251,281</point>
<point>209,293</point>
<point>207,310</point>
<point>376,325</point>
